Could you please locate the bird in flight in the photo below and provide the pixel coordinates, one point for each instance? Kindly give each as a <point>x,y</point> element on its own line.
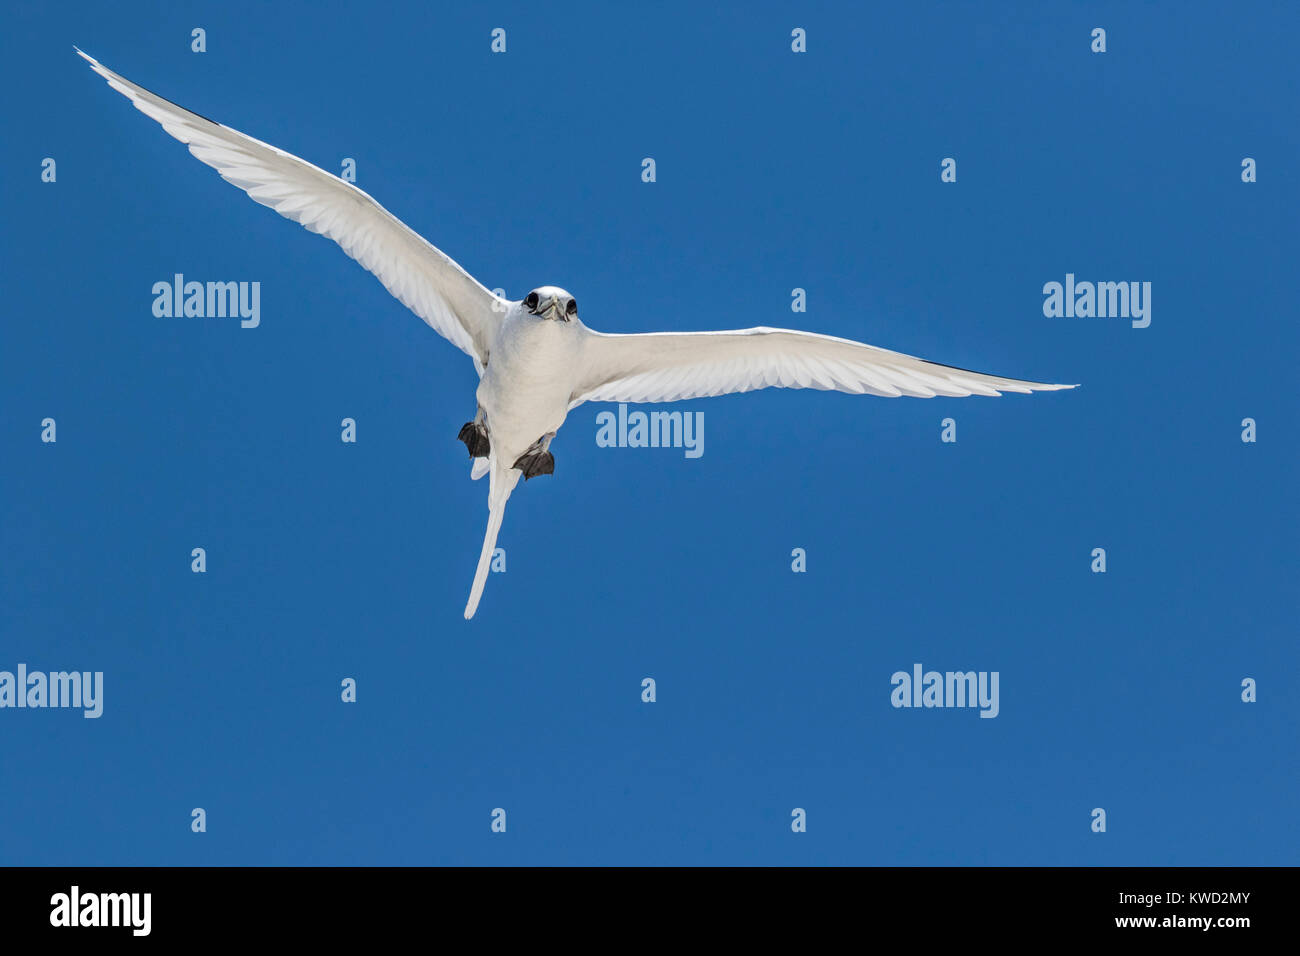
<point>535,358</point>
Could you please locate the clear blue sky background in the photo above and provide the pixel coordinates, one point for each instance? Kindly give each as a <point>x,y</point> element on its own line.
<point>775,171</point>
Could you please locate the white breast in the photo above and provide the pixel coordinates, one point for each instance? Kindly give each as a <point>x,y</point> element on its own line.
<point>529,380</point>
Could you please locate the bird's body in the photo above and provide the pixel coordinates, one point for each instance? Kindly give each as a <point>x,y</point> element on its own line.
<point>535,357</point>
<point>528,382</point>
<point>523,396</point>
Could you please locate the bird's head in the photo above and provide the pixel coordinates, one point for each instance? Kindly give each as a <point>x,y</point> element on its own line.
<point>551,302</point>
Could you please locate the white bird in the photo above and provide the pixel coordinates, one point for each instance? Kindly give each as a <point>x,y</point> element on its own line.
<point>535,358</point>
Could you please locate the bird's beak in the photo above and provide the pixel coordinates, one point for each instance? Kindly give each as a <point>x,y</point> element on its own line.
<point>550,310</point>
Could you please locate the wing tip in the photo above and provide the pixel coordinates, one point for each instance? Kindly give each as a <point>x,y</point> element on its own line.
<point>95,65</point>
<point>1028,388</point>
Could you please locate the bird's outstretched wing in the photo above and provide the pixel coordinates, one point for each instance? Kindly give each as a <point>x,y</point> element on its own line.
<point>669,366</point>
<point>426,280</point>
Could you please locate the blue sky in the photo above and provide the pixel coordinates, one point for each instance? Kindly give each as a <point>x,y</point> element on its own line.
<point>775,170</point>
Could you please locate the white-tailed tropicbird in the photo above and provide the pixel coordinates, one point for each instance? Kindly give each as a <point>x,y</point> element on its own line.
<point>535,358</point>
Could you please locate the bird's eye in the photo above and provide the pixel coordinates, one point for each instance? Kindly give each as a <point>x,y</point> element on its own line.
<point>531,301</point>
<point>572,307</point>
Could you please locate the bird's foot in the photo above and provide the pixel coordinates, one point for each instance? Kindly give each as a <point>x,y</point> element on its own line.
<point>536,462</point>
<point>475,437</point>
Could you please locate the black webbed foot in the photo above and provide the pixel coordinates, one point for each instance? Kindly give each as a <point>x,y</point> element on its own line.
<point>536,463</point>
<point>475,438</point>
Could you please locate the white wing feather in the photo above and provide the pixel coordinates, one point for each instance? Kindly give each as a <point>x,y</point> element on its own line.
<point>670,366</point>
<point>422,277</point>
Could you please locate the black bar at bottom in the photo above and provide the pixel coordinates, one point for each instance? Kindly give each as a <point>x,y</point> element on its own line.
<point>370,904</point>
